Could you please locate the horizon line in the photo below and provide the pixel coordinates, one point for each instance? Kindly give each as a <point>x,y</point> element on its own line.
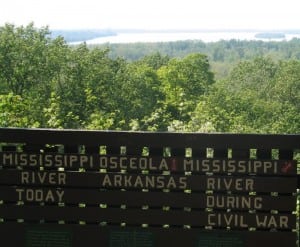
<point>180,29</point>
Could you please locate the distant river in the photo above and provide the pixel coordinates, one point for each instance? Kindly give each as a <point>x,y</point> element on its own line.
<point>176,36</point>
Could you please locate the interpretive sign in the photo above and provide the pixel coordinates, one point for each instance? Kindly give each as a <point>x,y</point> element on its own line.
<point>141,194</point>
<point>152,164</point>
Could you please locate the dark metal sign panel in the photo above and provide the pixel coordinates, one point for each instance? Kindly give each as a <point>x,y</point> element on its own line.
<point>148,216</point>
<point>152,164</point>
<point>88,235</point>
<point>148,139</point>
<point>152,198</point>
<point>158,200</point>
<point>36,236</point>
<point>151,181</point>
<point>118,238</point>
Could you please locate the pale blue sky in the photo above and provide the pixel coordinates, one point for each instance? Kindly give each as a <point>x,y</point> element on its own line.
<point>153,14</point>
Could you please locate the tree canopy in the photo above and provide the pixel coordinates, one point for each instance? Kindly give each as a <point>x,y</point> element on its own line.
<point>45,82</point>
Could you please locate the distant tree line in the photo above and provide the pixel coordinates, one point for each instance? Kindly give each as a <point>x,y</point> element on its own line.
<point>220,51</point>
<point>223,55</point>
<point>44,82</point>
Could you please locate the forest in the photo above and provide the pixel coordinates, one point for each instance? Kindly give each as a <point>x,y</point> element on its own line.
<point>227,86</point>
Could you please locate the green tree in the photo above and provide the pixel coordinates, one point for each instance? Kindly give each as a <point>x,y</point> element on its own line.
<point>31,65</point>
<point>184,82</point>
<point>287,83</point>
<point>14,112</point>
<point>254,76</point>
<point>286,92</point>
<point>136,94</point>
<point>155,60</point>
<point>23,57</point>
<point>259,96</point>
<point>83,86</point>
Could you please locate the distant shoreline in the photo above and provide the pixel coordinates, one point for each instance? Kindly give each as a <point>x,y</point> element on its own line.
<point>287,31</point>
<point>209,36</point>
<point>86,35</point>
<point>270,35</point>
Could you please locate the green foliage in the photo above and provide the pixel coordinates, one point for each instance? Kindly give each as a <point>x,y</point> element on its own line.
<point>223,55</point>
<point>52,113</point>
<point>13,112</point>
<point>183,82</point>
<point>102,121</point>
<point>137,93</point>
<point>23,57</point>
<point>252,99</point>
<point>155,60</point>
<point>227,86</point>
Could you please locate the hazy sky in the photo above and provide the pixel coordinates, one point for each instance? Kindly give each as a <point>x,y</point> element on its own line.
<point>153,14</point>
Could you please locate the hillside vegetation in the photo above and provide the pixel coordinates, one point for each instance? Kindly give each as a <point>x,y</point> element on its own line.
<point>227,86</point>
